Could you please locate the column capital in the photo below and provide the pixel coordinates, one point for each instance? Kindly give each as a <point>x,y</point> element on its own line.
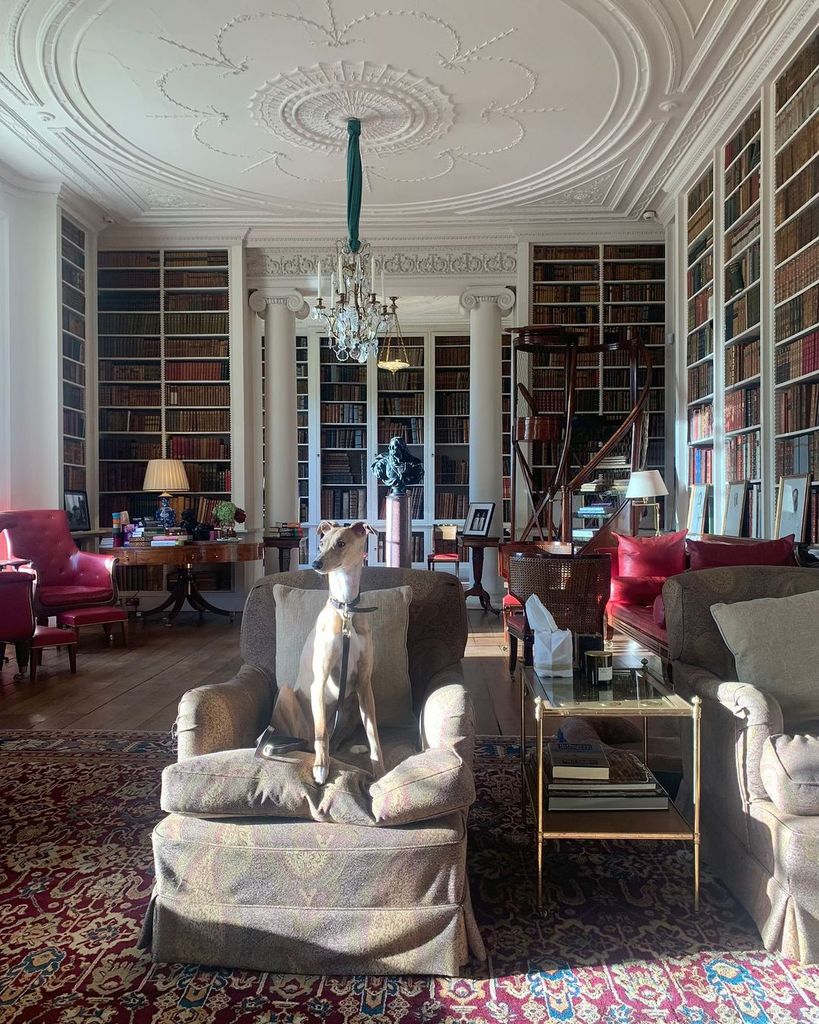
<point>503,297</point>
<point>289,297</point>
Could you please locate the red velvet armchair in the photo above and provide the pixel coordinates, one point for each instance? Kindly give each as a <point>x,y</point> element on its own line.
<point>17,626</point>
<point>66,577</point>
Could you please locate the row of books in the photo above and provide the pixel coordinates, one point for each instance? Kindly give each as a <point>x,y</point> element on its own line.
<point>195,302</point>
<point>401,405</point>
<point>199,448</point>
<point>128,420</point>
<point>701,465</point>
<point>584,777</point>
<point>791,80</point>
<point>143,398</point>
<point>208,478</point>
<point>741,361</point>
<point>565,272</point>
<point>411,379</point>
<point>742,199</point>
<point>699,248</point>
<point>129,448</point>
<point>796,455</point>
<point>416,547</point>
<point>333,437</point>
<point>797,273</point>
<point>451,471</point>
<point>565,293</point>
<point>802,147</point>
<point>195,323</point>
<point>73,396</point>
<point>172,258</point>
<point>451,505</point>
<point>344,393</point>
<point>203,420</point>
<point>197,394</point>
<point>416,501</point>
<point>74,451</point>
<point>344,412</point>
<point>566,314</point>
<point>452,352</point>
<point>801,312</point>
<point>125,277</point>
<point>741,168</point>
<point>798,232</point>
<point>73,323</point>
<point>456,432</point>
<point>126,476</point>
<point>130,348</point>
<point>73,298</point>
<point>341,373</point>
<point>565,252</point>
<point>700,343</point>
<point>632,271</point>
<point>74,478</point>
<point>742,234</point>
<point>618,400</point>
<point>211,370</point>
<point>743,457</point>
<point>701,422</point>
<point>110,372</point>
<point>411,431</point>
<point>72,251</point>
<point>700,381</point>
<point>700,308</point>
<point>135,302</point>
<point>741,139</point>
<point>73,348</point>
<point>341,468</point>
<point>452,404</point>
<point>701,219</point>
<point>654,292</point>
<point>803,187</point>
<point>742,408</point>
<point>742,314</point>
<point>797,407</point>
<point>742,271</point>
<point>344,504</point>
<point>797,358</point>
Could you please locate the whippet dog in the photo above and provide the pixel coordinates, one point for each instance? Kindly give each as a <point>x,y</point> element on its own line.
<point>303,709</point>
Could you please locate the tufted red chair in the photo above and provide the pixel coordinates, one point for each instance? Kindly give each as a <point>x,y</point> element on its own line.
<point>66,577</point>
<point>17,626</point>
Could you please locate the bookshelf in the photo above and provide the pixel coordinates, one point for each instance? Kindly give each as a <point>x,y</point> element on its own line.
<point>506,426</point>
<point>700,330</point>
<point>451,427</point>
<point>741,334</point>
<point>609,291</point>
<point>164,378</point>
<point>400,412</point>
<point>343,413</point>
<point>303,436</point>
<point>74,340</point>
<point>796,274</point>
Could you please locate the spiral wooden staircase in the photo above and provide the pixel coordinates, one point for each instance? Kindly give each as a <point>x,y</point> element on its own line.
<point>561,430</point>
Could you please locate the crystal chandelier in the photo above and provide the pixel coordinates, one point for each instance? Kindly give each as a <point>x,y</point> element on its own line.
<point>354,315</point>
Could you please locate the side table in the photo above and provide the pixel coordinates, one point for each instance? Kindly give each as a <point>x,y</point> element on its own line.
<point>478,546</point>
<point>282,545</point>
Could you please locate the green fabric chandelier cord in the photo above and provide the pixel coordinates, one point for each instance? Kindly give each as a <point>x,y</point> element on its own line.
<point>354,179</point>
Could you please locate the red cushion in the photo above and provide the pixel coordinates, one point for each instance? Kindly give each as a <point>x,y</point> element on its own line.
<point>517,622</point>
<point>638,618</point>
<point>91,616</point>
<point>710,554</point>
<point>444,558</point>
<point>652,556</point>
<point>636,589</point>
<point>55,597</point>
<point>658,610</point>
<point>51,636</point>
<point>510,601</point>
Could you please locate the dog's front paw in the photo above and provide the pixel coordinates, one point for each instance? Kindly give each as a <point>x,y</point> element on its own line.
<point>320,773</point>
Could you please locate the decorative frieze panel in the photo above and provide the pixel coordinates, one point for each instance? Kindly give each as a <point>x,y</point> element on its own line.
<point>456,262</point>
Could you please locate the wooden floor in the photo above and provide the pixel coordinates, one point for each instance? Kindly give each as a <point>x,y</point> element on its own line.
<point>139,687</point>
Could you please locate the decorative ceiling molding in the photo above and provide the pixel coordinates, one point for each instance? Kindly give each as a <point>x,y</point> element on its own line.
<point>593,192</point>
<point>455,262</point>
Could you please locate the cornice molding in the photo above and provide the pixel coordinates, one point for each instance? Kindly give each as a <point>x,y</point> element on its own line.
<point>406,262</point>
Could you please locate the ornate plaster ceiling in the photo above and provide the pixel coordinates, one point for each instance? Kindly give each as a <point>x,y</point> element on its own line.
<point>472,110</point>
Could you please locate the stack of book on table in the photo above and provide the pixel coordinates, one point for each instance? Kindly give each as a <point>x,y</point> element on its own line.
<point>284,530</point>
<point>585,777</point>
<point>169,541</point>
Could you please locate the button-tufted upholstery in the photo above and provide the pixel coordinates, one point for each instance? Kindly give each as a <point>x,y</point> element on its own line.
<point>65,576</point>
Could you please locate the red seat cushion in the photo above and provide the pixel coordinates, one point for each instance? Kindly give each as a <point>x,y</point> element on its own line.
<point>636,589</point>
<point>510,601</point>
<point>639,618</point>
<point>77,617</point>
<point>651,556</point>
<point>52,636</point>
<point>445,558</point>
<point>517,622</point>
<point>710,554</point>
<point>57,596</point>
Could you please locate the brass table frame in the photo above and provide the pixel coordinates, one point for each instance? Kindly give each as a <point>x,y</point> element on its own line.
<point>620,824</point>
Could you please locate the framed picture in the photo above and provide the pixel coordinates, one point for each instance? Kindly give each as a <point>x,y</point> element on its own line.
<point>698,507</point>
<point>75,504</point>
<point>792,507</point>
<point>734,515</point>
<point>478,519</point>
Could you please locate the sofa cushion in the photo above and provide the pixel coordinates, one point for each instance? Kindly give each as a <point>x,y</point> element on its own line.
<point>422,787</point>
<point>237,784</point>
<point>651,556</point>
<point>296,614</point>
<point>775,642</point>
<point>790,772</point>
<point>54,597</point>
<point>636,589</point>
<point>658,611</point>
<point>710,554</point>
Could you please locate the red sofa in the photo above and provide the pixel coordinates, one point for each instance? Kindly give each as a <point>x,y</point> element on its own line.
<point>636,604</point>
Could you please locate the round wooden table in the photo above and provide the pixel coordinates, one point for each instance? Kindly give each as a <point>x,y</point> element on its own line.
<point>478,546</point>
<point>247,547</point>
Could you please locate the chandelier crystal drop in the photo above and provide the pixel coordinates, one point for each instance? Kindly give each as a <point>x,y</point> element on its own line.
<point>354,315</point>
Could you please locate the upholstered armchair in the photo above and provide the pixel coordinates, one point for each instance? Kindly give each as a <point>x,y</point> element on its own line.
<point>238,886</point>
<point>66,577</point>
<point>764,852</point>
<point>18,627</point>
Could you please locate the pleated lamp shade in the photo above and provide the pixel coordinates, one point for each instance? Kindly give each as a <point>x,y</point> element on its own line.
<point>166,475</point>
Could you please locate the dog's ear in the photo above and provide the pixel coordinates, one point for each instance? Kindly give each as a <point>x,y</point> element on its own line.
<point>324,527</point>
<point>362,528</point>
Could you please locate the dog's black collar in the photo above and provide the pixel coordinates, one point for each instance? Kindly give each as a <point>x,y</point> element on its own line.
<point>349,607</point>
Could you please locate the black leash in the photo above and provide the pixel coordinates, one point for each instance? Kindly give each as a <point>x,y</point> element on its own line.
<point>346,611</point>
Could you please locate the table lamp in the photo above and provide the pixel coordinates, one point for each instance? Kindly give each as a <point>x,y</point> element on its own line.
<point>644,485</point>
<point>167,476</point>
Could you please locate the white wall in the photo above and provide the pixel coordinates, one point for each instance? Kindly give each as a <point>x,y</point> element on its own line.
<point>30,394</point>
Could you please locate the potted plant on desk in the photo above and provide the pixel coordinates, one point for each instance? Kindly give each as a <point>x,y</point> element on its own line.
<point>227,515</point>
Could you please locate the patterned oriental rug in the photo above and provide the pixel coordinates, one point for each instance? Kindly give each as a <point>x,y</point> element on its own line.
<point>619,943</point>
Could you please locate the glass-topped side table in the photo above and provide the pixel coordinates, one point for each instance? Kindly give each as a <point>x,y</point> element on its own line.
<point>637,691</point>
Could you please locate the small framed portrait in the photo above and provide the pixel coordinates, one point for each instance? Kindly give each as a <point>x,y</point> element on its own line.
<point>698,508</point>
<point>478,519</point>
<point>792,507</point>
<point>75,504</point>
<point>735,502</point>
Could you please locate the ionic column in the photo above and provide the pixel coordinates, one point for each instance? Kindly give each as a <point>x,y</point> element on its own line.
<point>279,309</point>
<point>486,307</point>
